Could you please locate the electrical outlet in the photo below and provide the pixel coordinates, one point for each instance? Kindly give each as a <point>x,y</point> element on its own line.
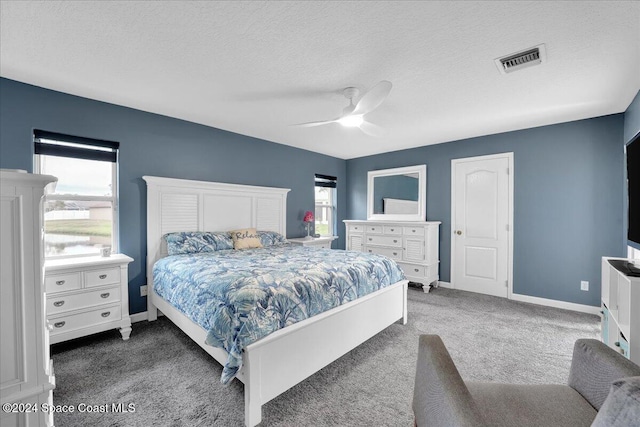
<point>143,290</point>
<point>584,285</point>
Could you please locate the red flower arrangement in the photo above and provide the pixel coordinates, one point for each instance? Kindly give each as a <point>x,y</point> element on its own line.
<point>308,219</point>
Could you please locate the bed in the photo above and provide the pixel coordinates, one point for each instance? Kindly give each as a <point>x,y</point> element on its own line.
<point>268,366</point>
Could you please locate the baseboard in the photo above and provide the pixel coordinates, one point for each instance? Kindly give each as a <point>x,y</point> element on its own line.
<point>444,284</point>
<point>590,309</point>
<point>142,316</point>
<point>138,317</point>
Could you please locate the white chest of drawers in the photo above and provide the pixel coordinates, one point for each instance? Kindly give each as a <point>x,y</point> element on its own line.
<point>413,245</point>
<point>87,295</point>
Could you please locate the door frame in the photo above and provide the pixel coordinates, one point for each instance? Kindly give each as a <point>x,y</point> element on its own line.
<point>510,192</point>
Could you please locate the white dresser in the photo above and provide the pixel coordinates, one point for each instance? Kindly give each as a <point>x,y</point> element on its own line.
<point>316,242</point>
<point>87,295</point>
<point>413,245</point>
<point>26,379</point>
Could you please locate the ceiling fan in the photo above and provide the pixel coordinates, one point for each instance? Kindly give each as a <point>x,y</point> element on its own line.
<point>353,115</point>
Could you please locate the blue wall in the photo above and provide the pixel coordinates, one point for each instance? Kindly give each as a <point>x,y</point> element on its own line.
<point>151,144</point>
<point>569,196</point>
<point>568,207</point>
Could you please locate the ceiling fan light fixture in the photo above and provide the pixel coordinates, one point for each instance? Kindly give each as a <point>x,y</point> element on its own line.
<point>351,121</point>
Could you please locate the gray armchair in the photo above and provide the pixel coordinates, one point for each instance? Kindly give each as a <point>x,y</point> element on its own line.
<point>441,398</point>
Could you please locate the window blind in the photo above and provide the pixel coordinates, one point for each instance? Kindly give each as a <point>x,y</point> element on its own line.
<point>58,144</point>
<point>326,181</point>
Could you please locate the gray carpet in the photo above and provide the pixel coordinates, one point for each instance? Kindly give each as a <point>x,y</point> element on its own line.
<point>173,382</point>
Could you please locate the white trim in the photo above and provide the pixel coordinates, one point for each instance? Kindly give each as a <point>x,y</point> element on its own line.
<point>140,317</point>
<point>511,174</point>
<point>447,285</point>
<point>590,309</point>
<point>421,215</point>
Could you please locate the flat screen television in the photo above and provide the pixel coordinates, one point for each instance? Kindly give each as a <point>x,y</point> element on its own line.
<point>633,186</point>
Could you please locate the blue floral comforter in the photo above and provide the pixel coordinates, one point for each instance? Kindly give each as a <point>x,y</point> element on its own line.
<point>240,296</point>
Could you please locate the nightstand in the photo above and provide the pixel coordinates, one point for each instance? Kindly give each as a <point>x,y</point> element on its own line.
<point>316,242</point>
<point>87,295</point>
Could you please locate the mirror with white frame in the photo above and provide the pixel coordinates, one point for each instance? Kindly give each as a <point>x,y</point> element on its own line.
<point>397,194</point>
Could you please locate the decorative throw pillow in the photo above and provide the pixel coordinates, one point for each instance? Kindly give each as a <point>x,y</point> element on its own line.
<point>271,238</point>
<point>622,405</point>
<point>192,242</point>
<point>245,238</point>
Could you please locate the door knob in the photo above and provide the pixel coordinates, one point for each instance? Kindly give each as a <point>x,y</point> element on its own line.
<point>458,232</point>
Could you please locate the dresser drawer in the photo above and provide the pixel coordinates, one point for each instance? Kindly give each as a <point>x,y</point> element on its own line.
<point>413,231</point>
<point>425,274</point>
<point>107,276</point>
<point>392,230</point>
<point>413,270</point>
<point>395,254</point>
<point>375,229</point>
<point>83,320</point>
<point>384,241</point>
<point>355,228</point>
<point>60,304</point>
<point>62,282</point>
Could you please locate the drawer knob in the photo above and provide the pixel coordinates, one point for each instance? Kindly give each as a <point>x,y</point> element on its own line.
<point>58,303</point>
<point>392,229</point>
<point>416,270</point>
<point>395,241</point>
<point>413,231</point>
<point>59,324</point>
<point>395,253</point>
<point>106,314</point>
<point>370,239</point>
<point>617,343</point>
<point>105,295</point>
<point>103,276</point>
<point>370,251</point>
<point>60,282</point>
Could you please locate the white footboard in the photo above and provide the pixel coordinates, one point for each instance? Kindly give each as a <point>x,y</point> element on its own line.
<point>281,360</point>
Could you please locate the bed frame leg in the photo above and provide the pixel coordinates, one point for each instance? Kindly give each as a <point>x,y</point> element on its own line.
<point>252,403</point>
<point>252,406</point>
<point>252,409</point>
<point>152,311</point>
<point>403,320</point>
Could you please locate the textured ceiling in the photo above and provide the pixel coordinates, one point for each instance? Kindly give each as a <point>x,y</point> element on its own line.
<point>257,67</point>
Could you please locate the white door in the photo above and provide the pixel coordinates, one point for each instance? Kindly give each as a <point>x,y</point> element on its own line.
<point>481,220</point>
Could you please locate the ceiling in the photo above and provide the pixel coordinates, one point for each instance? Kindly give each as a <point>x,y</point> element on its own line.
<point>256,68</point>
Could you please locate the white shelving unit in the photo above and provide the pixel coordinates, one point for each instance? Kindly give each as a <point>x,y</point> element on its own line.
<point>620,310</point>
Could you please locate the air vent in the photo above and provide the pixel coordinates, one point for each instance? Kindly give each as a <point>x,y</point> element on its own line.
<point>517,61</point>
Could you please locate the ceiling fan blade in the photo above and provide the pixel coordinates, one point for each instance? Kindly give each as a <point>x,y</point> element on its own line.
<point>373,98</point>
<point>371,129</point>
<point>311,124</point>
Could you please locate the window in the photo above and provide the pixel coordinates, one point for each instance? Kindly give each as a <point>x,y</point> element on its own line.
<point>80,216</point>
<point>325,192</point>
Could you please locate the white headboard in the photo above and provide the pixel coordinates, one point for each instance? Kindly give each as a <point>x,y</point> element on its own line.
<point>186,205</point>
